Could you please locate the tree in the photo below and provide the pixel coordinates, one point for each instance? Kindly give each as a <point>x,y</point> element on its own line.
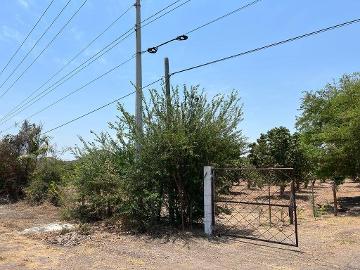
<point>165,181</point>
<point>278,148</point>
<point>330,128</point>
<point>19,155</point>
<point>300,161</point>
<point>259,154</point>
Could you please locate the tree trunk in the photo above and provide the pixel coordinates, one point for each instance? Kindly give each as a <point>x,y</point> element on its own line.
<point>249,184</point>
<point>313,199</point>
<point>335,199</point>
<point>171,206</point>
<point>161,193</point>
<point>306,184</point>
<point>282,190</point>
<point>190,215</point>
<point>298,182</point>
<point>181,192</point>
<point>108,210</point>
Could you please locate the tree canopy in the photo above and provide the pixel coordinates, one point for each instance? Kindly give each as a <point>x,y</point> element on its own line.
<point>165,181</point>
<point>19,154</point>
<point>279,148</point>
<point>330,127</point>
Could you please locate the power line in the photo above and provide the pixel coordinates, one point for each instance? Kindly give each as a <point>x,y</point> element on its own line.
<point>269,46</point>
<point>68,62</point>
<point>223,59</point>
<point>71,74</point>
<point>99,108</point>
<point>77,90</point>
<point>46,47</point>
<point>90,112</point>
<point>169,11</point>
<point>223,16</point>
<point>111,45</point>
<point>216,61</point>
<point>8,128</point>
<point>155,48</point>
<point>17,111</point>
<point>63,79</point>
<point>82,87</point>
<point>27,36</point>
<point>155,14</point>
<point>35,44</point>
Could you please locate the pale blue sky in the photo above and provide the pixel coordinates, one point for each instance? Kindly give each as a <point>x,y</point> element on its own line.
<point>270,82</point>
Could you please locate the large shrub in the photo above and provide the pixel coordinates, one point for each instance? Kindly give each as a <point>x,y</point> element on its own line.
<point>164,181</point>
<point>98,183</point>
<point>19,155</point>
<point>45,182</point>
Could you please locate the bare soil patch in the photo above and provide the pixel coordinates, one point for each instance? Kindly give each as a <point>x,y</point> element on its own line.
<point>325,243</point>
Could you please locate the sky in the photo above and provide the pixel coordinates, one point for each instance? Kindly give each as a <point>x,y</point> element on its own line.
<point>271,82</point>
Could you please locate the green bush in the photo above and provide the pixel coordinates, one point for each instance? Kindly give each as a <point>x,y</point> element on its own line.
<point>97,184</point>
<point>164,182</point>
<point>19,154</point>
<point>45,183</point>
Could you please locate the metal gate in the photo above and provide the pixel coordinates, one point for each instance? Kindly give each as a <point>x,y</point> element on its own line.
<point>256,204</point>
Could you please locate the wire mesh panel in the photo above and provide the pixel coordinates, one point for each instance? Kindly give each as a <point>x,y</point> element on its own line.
<point>346,199</point>
<point>322,198</point>
<point>257,204</point>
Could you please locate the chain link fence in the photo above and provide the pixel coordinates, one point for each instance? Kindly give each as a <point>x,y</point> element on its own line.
<point>321,198</point>
<point>256,203</point>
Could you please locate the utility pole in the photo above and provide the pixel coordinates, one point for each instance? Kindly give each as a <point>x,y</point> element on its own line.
<point>138,112</point>
<point>172,191</point>
<point>167,83</point>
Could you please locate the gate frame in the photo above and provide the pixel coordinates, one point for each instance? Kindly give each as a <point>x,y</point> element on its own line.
<point>209,206</point>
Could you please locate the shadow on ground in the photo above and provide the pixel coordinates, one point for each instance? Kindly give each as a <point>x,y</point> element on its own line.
<point>350,205</point>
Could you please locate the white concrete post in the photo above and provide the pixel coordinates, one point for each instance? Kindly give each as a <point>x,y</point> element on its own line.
<point>208,203</point>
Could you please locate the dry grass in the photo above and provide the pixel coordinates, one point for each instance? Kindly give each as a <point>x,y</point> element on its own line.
<point>325,243</point>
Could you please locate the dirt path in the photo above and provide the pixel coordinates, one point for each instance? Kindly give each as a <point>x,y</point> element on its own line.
<point>329,243</point>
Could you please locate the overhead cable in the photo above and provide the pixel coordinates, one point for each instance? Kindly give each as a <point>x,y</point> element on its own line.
<point>46,47</point>
<point>269,46</point>
<point>35,44</point>
<point>82,87</point>
<point>26,38</point>
<point>24,101</point>
<point>182,37</point>
<point>82,66</point>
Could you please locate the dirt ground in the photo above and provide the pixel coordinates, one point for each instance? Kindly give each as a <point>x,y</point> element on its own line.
<point>325,243</point>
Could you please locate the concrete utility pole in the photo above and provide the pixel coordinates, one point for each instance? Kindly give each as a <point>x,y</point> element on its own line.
<point>138,113</point>
<point>167,82</point>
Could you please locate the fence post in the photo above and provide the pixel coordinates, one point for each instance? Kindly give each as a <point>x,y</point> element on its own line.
<point>292,202</point>
<point>335,199</point>
<point>208,200</point>
<point>295,221</point>
<point>313,199</point>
